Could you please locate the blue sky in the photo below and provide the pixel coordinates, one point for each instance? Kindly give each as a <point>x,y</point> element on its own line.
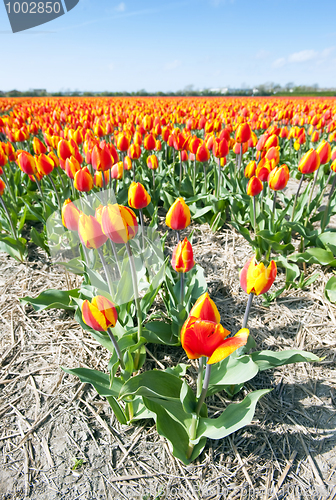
<point>154,45</point>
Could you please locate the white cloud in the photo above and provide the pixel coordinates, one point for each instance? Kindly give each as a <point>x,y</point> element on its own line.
<point>121,7</point>
<point>303,56</point>
<point>172,65</point>
<point>279,63</point>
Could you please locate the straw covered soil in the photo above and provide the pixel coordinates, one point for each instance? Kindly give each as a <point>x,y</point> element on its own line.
<point>60,440</point>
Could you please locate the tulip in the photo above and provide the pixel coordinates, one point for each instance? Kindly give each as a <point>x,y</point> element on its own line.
<point>101,158</point>
<point>254,186</point>
<point>278,178</point>
<point>2,187</point>
<point>27,163</point>
<point>147,122</point>
<point>250,169</point>
<point>152,162</point>
<point>44,164</point>
<point>71,167</point>
<point>243,133</point>
<point>178,216</point>
<point>158,145</point>
<point>324,152</point>
<point>38,146</point>
<point>206,338</point>
<point>149,142</point>
<point>205,309</point>
<point>183,257</point>
<point>3,158</point>
<point>271,142</point>
<point>263,169</point>
<point>117,170</point>
<point>100,314</point>
<point>202,153</point>
<point>98,178</point>
<point>63,150</point>
<point>315,137</point>
<point>127,163</point>
<point>273,155</point>
<point>309,162</point>
<point>119,223</point>
<point>70,215</point>
<point>256,278</point>
<point>83,180</point>
<point>137,196</point>
<point>220,148</point>
<point>123,142</point>
<point>90,231</point>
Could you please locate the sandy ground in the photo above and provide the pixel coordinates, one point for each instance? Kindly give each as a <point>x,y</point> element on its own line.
<point>49,420</point>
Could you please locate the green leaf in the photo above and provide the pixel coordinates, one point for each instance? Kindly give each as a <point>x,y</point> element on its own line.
<point>99,380</point>
<point>52,299</point>
<point>314,256</point>
<point>330,289</point>
<point>158,332</point>
<point>175,433</point>
<point>233,418</point>
<point>153,384</point>
<point>271,359</point>
<point>14,248</point>
<point>233,371</point>
<point>117,409</point>
<point>39,239</point>
<point>179,370</point>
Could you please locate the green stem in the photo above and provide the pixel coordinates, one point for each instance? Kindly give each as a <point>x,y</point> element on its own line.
<point>180,171</point>
<point>296,197</point>
<point>56,192</point>
<point>106,270</point>
<point>204,389</point>
<point>181,288</point>
<point>326,210</point>
<point>116,347</point>
<point>254,216</point>
<point>194,176</point>
<point>205,177</point>
<point>247,310</point>
<point>142,228</point>
<point>41,194</point>
<point>135,289</point>
<point>273,211</point>
<point>7,184</point>
<point>9,218</point>
<point>200,375</point>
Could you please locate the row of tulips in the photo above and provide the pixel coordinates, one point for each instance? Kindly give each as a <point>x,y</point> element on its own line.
<point>89,162</point>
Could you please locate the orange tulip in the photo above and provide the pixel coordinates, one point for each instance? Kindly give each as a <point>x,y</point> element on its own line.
<point>101,158</point>
<point>178,216</point>
<point>309,162</point>
<point>27,163</point>
<point>90,231</point>
<point>273,155</point>
<point>152,162</point>
<point>137,196</point>
<point>324,152</point>
<point>38,146</point>
<point>254,186</point>
<point>255,278</point>
<point>119,223</point>
<point>3,158</point>
<point>202,154</point>
<point>118,169</point>
<point>183,257</point>
<point>134,151</point>
<point>205,308</point>
<point>250,169</point>
<point>71,167</point>
<point>2,187</point>
<point>123,142</point>
<point>63,150</point>
<point>263,169</point>
<point>70,215</point>
<point>243,133</point>
<point>44,164</point>
<point>278,178</point>
<point>220,148</point>
<point>149,142</point>
<point>99,314</point>
<point>83,180</point>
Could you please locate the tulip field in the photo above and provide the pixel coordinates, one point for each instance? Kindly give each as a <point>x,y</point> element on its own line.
<point>168,298</point>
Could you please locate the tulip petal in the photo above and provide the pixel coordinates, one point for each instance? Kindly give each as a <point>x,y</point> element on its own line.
<point>229,346</point>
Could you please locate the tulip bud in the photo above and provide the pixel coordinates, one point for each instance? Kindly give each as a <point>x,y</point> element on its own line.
<point>178,216</point>
<point>38,146</point>
<point>27,163</point>
<point>309,162</point>
<point>2,187</point>
<point>119,223</point>
<point>101,158</point>
<point>255,278</point>
<point>117,170</point>
<point>99,314</point>
<point>134,151</point>
<point>44,164</point>
<point>243,133</point>
<point>71,167</point>
<point>220,148</point>
<point>90,231</point>
<point>63,150</point>
<point>278,178</point>
<point>152,162</point>
<point>183,257</point>
<point>70,215</point>
<point>194,143</point>
<point>263,169</point>
<point>149,142</point>
<point>254,186</point>
<point>3,158</point>
<point>324,152</point>
<point>202,154</point>
<point>158,145</point>
<point>272,142</point>
<point>250,169</point>
<point>137,196</point>
<point>83,180</point>
<point>273,155</point>
<point>123,142</point>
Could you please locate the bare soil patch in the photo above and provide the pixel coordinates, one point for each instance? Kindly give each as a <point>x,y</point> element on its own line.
<point>60,440</point>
